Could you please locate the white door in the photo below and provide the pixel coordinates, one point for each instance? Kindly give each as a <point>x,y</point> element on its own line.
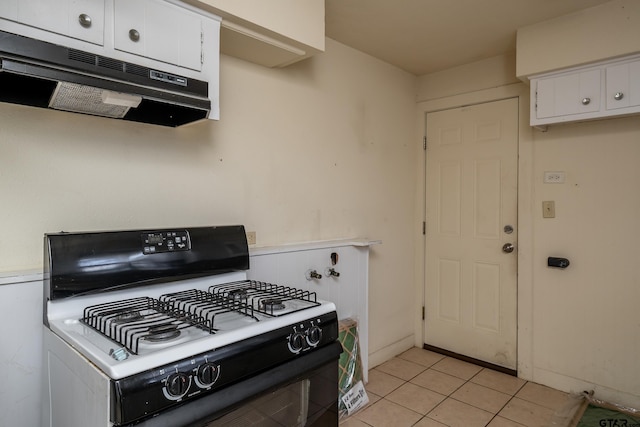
<point>471,213</point>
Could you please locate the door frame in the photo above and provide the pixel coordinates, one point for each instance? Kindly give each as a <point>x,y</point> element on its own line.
<point>525,213</point>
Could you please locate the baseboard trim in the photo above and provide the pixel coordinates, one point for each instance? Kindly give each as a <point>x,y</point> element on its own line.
<point>478,362</point>
<point>389,352</point>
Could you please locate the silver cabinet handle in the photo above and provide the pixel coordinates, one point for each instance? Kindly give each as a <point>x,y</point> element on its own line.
<point>618,96</point>
<point>84,20</point>
<point>508,248</point>
<point>134,35</point>
<point>586,101</point>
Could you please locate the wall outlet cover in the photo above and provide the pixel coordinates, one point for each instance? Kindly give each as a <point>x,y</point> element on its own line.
<point>551,177</point>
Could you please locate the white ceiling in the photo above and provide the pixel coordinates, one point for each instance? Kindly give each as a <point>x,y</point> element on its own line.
<point>423,36</point>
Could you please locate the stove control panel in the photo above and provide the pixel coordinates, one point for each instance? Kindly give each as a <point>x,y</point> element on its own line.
<point>305,336</point>
<point>187,379</point>
<point>165,241</point>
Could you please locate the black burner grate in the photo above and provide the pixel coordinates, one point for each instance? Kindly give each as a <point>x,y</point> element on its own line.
<point>145,320</point>
<point>130,322</point>
<point>207,305</point>
<point>267,298</point>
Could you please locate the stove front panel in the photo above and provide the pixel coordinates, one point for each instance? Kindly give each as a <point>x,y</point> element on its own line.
<point>175,383</point>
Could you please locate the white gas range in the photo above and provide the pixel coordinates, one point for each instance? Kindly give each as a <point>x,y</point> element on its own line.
<point>161,327</point>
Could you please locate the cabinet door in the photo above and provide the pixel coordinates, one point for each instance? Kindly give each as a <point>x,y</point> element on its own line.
<point>623,85</point>
<point>568,94</point>
<point>9,9</point>
<point>160,31</point>
<point>80,19</point>
<point>85,20</point>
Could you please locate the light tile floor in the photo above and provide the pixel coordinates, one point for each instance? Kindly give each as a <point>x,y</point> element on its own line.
<point>425,389</point>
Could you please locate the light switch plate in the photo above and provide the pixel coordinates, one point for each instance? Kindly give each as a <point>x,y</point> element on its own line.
<point>549,209</point>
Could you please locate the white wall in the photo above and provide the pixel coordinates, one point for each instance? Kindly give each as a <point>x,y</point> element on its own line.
<point>320,150</point>
<point>578,328</point>
<point>586,333</point>
<point>582,332</point>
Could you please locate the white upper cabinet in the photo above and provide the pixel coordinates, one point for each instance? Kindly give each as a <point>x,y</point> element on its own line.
<point>169,35</point>
<point>9,9</point>
<point>568,94</point>
<point>159,30</point>
<point>623,85</point>
<point>79,19</point>
<point>606,89</point>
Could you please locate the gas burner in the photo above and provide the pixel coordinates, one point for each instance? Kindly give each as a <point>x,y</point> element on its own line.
<point>162,333</point>
<point>272,304</point>
<point>238,294</point>
<point>127,317</point>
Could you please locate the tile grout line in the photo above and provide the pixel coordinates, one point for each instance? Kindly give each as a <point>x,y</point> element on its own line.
<point>450,395</point>
<point>503,406</point>
<point>409,382</point>
<point>422,416</point>
<point>431,367</point>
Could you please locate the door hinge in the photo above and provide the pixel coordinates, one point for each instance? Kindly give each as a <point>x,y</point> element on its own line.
<point>424,143</point>
<point>424,228</point>
<point>423,312</point>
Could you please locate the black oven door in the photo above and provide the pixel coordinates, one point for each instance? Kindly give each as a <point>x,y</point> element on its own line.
<point>301,392</point>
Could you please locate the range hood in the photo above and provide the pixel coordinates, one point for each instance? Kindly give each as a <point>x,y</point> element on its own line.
<point>42,74</point>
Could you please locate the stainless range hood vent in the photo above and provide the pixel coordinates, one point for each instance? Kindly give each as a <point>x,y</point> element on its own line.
<point>42,74</point>
<point>90,100</point>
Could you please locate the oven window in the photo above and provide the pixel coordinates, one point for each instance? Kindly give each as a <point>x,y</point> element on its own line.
<point>288,406</point>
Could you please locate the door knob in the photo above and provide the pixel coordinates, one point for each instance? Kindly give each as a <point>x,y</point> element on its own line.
<point>508,248</point>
